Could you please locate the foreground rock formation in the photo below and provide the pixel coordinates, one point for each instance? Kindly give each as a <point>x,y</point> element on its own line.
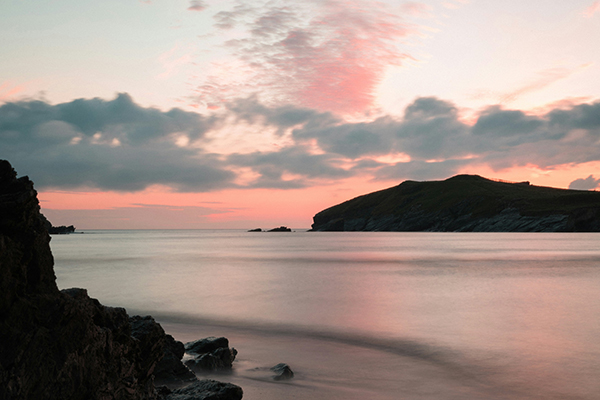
<point>63,344</point>
<point>466,203</point>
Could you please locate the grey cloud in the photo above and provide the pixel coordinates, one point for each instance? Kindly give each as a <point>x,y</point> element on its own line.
<point>506,123</point>
<point>582,116</point>
<point>585,184</point>
<point>253,111</point>
<point>294,160</point>
<point>109,145</point>
<point>420,170</point>
<point>119,145</point>
<point>352,140</point>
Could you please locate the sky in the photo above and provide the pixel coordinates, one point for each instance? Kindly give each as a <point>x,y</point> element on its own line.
<point>147,114</point>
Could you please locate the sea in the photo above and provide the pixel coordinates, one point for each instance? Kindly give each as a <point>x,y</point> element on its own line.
<point>364,315</point>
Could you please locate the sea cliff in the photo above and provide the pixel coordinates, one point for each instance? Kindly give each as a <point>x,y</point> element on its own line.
<point>57,345</point>
<point>465,203</point>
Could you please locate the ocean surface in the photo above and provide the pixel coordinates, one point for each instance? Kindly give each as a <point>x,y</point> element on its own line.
<point>364,315</point>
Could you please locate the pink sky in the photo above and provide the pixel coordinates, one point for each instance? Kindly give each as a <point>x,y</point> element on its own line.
<point>244,114</point>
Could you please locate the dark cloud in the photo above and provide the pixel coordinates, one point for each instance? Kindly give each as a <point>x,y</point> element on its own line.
<point>294,161</point>
<point>119,145</point>
<point>588,183</point>
<point>109,145</point>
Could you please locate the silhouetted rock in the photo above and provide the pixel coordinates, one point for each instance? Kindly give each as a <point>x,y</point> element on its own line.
<point>57,344</point>
<point>466,203</point>
<point>204,390</point>
<point>171,370</point>
<point>255,230</point>
<point>212,354</point>
<point>56,230</point>
<point>282,372</point>
<point>280,229</point>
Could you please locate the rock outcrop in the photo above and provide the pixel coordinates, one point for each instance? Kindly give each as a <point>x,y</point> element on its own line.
<point>210,354</point>
<point>466,203</point>
<point>282,372</point>
<point>280,229</point>
<point>63,344</point>
<point>206,389</point>
<point>53,344</point>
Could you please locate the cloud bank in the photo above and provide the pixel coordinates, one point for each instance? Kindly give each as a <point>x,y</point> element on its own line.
<point>118,145</point>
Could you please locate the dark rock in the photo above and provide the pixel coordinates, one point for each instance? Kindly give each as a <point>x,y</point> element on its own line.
<point>170,370</point>
<point>57,345</point>
<point>212,354</point>
<point>206,345</point>
<point>465,203</point>
<point>56,230</point>
<point>255,230</point>
<point>53,344</point>
<point>282,372</point>
<point>280,229</point>
<point>206,390</point>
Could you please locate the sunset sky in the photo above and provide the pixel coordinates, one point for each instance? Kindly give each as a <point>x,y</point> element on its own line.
<point>245,114</point>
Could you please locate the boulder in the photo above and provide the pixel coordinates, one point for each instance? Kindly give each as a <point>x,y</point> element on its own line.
<point>204,390</point>
<point>170,370</point>
<point>212,354</point>
<point>282,372</point>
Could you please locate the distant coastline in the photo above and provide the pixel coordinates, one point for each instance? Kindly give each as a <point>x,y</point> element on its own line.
<point>465,203</point>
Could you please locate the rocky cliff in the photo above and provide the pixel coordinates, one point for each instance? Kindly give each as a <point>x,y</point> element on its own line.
<point>466,203</point>
<point>63,344</point>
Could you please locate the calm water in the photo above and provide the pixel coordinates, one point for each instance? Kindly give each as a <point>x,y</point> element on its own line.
<point>365,315</point>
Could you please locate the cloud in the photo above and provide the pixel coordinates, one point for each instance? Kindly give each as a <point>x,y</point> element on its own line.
<point>325,55</point>
<point>197,5</point>
<point>544,79</point>
<point>588,183</point>
<point>592,9</point>
<point>109,145</point>
<point>118,145</point>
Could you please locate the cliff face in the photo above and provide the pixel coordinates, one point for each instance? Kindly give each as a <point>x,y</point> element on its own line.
<point>465,203</point>
<point>59,344</point>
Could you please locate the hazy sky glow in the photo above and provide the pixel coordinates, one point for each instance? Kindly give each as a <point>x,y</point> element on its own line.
<point>208,114</point>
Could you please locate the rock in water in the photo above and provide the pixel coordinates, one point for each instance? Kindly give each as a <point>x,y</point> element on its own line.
<point>282,372</point>
<point>53,344</point>
<point>280,229</point>
<point>212,354</point>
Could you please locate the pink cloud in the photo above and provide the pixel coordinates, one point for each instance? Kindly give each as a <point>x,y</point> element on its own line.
<point>591,10</point>
<point>544,79</point>
<point>325,55</point>
<point>7,91</point>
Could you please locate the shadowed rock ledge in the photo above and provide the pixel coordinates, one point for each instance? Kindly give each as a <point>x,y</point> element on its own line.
<point>465,203</point>
<point>63,344</point>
